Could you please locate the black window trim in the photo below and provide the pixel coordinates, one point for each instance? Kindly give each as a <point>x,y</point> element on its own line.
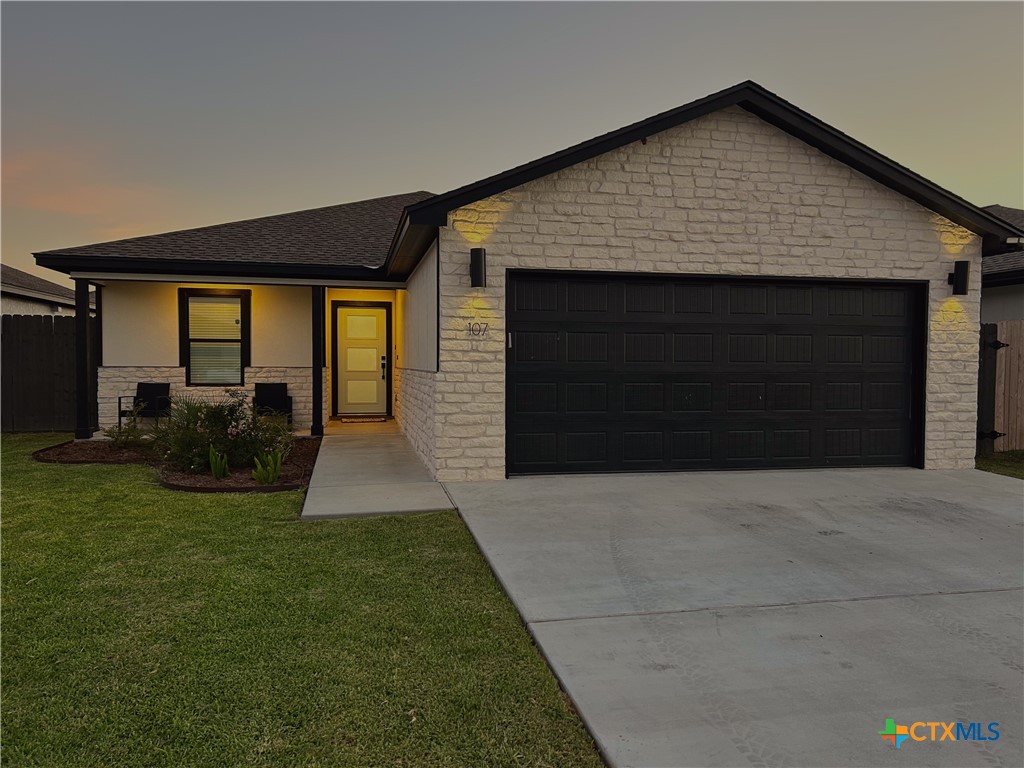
<point>184,340</point>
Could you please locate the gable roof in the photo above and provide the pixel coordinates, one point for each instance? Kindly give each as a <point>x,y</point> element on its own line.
<point>384,238</point>
<point>20,283</point>
<point>755,99</point>
<point>335,241</point>
<point>1004,268</point>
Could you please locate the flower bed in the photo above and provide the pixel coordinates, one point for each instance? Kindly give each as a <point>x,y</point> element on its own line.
<point>219,446</point>
<point>295,470</point>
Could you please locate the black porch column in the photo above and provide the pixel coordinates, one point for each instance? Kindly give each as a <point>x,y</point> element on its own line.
<point>317,427</point>
<point>83,404</point>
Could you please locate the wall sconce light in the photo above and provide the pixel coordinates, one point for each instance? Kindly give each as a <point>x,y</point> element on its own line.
<point>478,267</point>
<point>958,277</point>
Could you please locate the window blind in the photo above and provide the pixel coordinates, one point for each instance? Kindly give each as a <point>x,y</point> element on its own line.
<point>215,339</point>
<point>215,317</point>
<point>214,362</point>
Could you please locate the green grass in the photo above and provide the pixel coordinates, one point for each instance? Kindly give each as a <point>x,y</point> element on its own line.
<point>145,627</point>
<point>1003,463</point>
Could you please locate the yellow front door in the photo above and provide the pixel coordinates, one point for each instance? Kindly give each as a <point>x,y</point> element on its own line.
<point>361,387</point>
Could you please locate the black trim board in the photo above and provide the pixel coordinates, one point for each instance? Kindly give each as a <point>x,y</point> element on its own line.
<point>83,388</point>
<point>113,265</point>
<point>388,341</point>
<point>318,350</point>
<point>99,325</point>
<point>184,358</point>
<point>997,279</point>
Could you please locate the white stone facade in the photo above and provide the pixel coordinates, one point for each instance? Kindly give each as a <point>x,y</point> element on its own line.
<point>114,382</point>
<point>724,194</point>
<point>414,410</point>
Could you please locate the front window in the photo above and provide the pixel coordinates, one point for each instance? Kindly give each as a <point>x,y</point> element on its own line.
<point>214,336</point>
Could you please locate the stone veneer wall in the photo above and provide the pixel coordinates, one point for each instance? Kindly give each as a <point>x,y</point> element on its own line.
<point>118,381</point>
<point>724,194</point>
<point>414,411</point>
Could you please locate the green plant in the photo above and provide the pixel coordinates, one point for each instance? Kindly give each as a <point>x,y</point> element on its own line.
<point>268,468</point>
<point>218,464</point>
<point>182,439</point>
<point>229,426</point>
<point>127,434</point>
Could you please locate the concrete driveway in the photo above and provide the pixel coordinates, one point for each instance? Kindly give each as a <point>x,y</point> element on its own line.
<point>770,618</point>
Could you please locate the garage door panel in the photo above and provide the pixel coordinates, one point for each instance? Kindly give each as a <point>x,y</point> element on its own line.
<point>693,299</point>
<point>644,298</point>
<point>587,347</point>
<point>748,299</point>
<point>613,374</point>
<point>586,448</point>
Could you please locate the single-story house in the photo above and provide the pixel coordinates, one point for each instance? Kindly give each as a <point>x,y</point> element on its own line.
<point>729,284</point>
<point>22,293</point>
<point>1002,275</point>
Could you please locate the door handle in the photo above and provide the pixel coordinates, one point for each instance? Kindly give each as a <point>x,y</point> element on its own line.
<point>383,366</point>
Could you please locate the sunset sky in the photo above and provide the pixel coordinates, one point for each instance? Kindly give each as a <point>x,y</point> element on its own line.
<point>122,119</point>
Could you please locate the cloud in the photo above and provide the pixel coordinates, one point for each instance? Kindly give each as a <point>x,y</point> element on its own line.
<point>81,185</point>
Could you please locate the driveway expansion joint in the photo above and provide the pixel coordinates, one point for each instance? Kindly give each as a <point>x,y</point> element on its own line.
<point>794,604</point>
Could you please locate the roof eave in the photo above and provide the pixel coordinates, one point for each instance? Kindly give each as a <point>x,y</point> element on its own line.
<point>415,240</point>
<point>1007,277</point>
<point>113,264</point>
<point>28,293</point>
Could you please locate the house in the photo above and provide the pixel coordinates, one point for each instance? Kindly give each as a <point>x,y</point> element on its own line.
<point>1002,275</point>
<point>729,284</point>
<point>22,293</point>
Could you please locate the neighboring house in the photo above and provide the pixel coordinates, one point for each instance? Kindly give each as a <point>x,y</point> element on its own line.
<point>22,293</point>
<point>1002,280</point>
<point>729,284</point>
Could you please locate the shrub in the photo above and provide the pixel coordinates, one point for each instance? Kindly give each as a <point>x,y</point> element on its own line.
<point>127,434</point>
<point>182,439</point>
<point>218,464</point>
<point>230,427</point>
<point>268,468</point>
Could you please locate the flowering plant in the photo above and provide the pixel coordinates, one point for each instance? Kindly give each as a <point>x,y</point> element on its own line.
<point>230,427</point>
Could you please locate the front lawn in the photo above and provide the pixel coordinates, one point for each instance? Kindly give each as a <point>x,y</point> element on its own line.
<point>143,626</point>
<point>1003,463</point>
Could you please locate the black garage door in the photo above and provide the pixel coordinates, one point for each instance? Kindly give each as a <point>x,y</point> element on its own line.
<point>608,374</point>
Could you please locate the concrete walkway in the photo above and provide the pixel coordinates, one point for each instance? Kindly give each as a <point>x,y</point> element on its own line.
<point>770,618</point>
<point>370,469</point>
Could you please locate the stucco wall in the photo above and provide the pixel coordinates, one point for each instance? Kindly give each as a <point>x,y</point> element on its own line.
<point>140,343</point>
<point>140,324</point>
<point>724,194</point>
<point>1004,302</point>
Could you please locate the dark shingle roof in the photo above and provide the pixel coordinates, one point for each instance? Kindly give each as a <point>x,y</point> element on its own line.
<point>353,235</point>
<point>12,280</point>
<point>1005,262</point>
<point>1013,215</point>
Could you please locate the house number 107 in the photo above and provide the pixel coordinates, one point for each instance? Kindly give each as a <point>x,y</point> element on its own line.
<point>477,329</point>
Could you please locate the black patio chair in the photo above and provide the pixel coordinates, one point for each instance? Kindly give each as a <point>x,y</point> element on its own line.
<point>152,399</point>
<point>273,399</point>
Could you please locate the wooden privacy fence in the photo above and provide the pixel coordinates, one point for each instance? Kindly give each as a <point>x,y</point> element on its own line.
<point>37,373</point>
<point>1000,387</point>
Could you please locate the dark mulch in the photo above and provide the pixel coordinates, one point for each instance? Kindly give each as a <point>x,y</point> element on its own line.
<point>295,470</point>
<point>96,452</point>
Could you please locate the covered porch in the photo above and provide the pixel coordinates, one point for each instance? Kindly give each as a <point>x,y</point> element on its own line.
<point>335,347</point>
